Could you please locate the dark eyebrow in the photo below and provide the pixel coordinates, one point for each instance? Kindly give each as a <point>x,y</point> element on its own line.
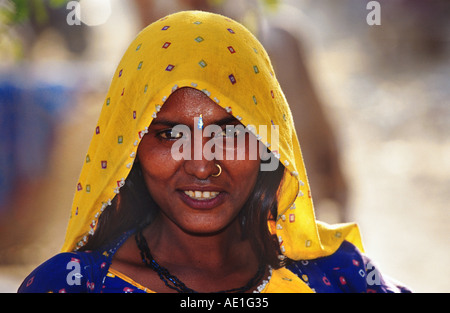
<point>163,122</point>
<point>226,120</point>
<point>171,123</point>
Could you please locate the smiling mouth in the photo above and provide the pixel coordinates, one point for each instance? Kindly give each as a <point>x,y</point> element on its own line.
<point>201,195</point>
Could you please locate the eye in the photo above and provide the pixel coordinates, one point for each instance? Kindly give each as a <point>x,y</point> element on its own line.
<point>231,131</point>
<point>169,134</point>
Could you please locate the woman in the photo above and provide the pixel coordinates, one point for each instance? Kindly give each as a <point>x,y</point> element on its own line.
<point>159,208</point>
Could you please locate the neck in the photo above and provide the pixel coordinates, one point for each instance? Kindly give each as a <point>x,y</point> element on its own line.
<point>209,252</point>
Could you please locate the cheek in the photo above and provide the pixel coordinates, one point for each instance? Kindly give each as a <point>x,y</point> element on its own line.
<point>244,174</point>
<point>158,169</point>
<point>157,165</point>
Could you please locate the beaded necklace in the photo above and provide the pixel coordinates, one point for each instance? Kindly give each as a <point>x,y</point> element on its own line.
<point>175,283</point>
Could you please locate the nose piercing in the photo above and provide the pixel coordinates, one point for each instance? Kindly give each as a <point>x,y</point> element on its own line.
<point>220,171</point>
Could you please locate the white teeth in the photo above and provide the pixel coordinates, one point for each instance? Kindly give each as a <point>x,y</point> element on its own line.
<point>201,195</point>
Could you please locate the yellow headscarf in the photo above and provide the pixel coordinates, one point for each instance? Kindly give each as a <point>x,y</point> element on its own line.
<point>223,59</point>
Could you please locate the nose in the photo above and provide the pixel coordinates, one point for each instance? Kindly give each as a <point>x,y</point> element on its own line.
<point>200,169</point>
<point>202,162</point>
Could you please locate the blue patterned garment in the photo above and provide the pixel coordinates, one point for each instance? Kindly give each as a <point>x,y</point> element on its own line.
<point>347,270</point>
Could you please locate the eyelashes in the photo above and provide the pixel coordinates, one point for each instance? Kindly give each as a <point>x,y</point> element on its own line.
<point>231,132</point>
<point>171,135</point>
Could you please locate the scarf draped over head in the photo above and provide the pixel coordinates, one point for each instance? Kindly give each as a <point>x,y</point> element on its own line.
<point>220,57</point>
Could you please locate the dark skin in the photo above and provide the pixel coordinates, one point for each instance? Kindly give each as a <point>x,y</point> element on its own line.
<point>197,241</point>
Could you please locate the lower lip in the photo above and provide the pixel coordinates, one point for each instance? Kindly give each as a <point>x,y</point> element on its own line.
<point>202,204</point>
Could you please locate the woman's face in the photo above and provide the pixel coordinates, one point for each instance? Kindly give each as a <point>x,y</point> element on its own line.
<point>186,191</point>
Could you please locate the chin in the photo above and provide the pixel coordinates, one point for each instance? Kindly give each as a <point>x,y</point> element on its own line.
<point>204,229</point>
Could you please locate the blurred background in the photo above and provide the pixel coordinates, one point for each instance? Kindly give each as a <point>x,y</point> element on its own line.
<point>370,102</point>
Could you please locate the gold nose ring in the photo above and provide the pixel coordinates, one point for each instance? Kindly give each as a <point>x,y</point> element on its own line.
<point>220,171</point>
